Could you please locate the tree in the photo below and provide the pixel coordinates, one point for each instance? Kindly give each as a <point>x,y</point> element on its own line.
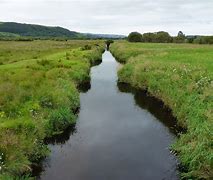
<point>134,37</point>
<point>163,37</point>
<point>149,37</point>
<point>108,42</point>
<point>180,37</point>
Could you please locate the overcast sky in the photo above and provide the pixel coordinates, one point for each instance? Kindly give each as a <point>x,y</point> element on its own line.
<point>114,16</point>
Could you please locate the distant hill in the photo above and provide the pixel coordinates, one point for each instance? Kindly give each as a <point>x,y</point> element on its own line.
<point>13,29</point>
<point>37,30</point>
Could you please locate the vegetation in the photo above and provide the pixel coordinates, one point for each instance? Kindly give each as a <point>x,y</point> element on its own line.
<point>182,76</point>
<point>22,32</point>
<point>134,37</point>
<point>203,40</point>
<point>180,38</point>
<point>164,37</point>
<point>158,37</point>
<point>108,42</point>
<point>37,30</point>
<point>8,35</point>
<point>39,96</point>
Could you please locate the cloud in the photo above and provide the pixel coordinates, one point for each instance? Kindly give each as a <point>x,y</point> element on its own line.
<point>114,16</point>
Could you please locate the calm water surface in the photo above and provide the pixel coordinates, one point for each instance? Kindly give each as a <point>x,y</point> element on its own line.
<point>121,134</point>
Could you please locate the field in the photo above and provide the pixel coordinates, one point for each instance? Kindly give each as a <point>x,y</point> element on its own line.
<point>182,76</point>
<point>39,96</point>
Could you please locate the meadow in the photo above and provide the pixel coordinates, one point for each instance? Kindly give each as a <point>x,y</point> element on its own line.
<point>181,75</point>
<point>39,96</point>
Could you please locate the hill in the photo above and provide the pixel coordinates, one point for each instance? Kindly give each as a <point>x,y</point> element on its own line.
<point>37,30</point>
<point>13,29</point>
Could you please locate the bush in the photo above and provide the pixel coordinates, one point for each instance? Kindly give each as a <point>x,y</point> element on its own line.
<point>134,37</point>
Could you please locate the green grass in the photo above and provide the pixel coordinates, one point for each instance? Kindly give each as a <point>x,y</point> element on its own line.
<point>39,96</point>
<point>182,76</point>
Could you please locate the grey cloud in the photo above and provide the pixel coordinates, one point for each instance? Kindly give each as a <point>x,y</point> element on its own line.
<point>114,16</point>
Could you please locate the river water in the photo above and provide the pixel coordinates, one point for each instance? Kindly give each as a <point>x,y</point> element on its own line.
<point>121,134</point>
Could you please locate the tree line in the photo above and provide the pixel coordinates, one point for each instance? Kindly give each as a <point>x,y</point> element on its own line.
<point>164,37</point>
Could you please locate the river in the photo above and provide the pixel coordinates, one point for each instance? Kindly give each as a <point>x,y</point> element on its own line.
<point>121,134</point>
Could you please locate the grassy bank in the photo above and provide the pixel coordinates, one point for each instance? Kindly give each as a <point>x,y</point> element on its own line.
<point>39,96</point>
<point>182,76</point>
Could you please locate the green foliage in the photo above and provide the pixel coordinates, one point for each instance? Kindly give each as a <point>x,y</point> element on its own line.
<point>38,96</point>
<point>134,37</point>
<point>203,40</point>
<point>163,37</point>
<point>181,75</point>
<point>180,38</point>
<point>149,37</point>
<point>109,41</point>
<point>158,37</point>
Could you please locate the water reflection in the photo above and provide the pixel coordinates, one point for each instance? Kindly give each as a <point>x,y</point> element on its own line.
<point>154,106</point>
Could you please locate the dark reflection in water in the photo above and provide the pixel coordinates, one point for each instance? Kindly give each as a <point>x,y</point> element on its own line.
<point>62,138</point>
<point>118,136</point>
<point>154,106</point>
<point>84,87</point>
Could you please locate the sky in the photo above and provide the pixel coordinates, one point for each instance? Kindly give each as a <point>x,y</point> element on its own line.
<point>193,17</point>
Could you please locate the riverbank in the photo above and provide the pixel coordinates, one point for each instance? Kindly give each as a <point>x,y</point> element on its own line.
<point>39,96</point>
<point>181,76</point>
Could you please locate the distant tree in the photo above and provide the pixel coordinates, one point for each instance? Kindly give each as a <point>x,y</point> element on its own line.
<point>134,37</point>
<point>190,40</point>
<point>158,37</point>
<point>108,42</point>
<point>180,37</point>
<point>163,37</point>
<point>149,37</point>
<point>180,34</point>
<point>204,40</point>
<point>209,39</point>
<point>198,40</point>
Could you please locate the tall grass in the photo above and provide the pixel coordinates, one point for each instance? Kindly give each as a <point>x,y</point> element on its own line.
<point>182,76</point>
<point>38,96</point>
